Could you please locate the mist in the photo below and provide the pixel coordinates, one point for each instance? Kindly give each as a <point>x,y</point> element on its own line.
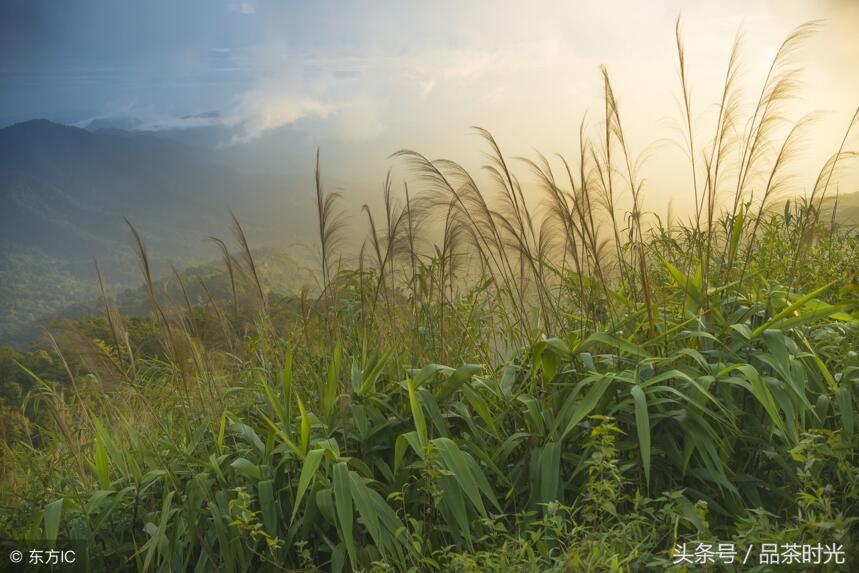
<point>271,82</point>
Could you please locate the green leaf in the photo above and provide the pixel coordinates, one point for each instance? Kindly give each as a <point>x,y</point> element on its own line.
<point>795,306</point>
<point>304,428</point>
<point>454,510</point>
<point>100,464</point>
<point>743,330</point>
<point>642,424</point>
<point>462,375</point>
<point>278,431</point>
<point>426,373</point>
<point>332,384</point>
<point>308,472</point>
<point>508,378</point>
<point>52,514</point>
<point>588,403</point>
<point>432,409</point>
<point>417,414</point>
<point>158,534</point>
<point>247,468</point>
<point>691,286</point>
<point>249,435</point>
<point>457,464</point>
<point>759,390</point>
<point>736,234</point>
<point>811,316</point>
<point>550,472</point>
<point>845,408</point>
<point>268,506</point>
<point>371,374</point>
<point>479,405</point>
<point>345,512</point>
<point>614,342</point>
<point>407,439</point>
<point>366,509</point>
<point>286,385</point>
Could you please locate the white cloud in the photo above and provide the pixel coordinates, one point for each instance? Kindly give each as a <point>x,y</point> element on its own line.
<point>136,118</point>
<point>259,111</point>
<point>434,68</point>
<point>244,8</point>
<point>186,122</point>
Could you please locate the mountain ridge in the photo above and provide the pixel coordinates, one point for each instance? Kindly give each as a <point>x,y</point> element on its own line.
<point>67,195</point>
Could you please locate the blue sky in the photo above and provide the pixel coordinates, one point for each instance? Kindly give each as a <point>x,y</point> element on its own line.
<point>378,76</point>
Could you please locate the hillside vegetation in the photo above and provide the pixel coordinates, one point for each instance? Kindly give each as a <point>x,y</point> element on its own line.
<point>64,194</point>
<point>508,378</point>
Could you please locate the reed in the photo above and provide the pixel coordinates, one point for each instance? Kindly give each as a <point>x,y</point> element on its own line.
<point>520,371</point>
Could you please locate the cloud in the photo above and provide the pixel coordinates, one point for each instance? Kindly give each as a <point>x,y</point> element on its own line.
<point>184,122</point>
<point>252,114</point>
<point>134,118</point>
<point>260,111</point>
<point>434,68</point>
<point>246,8</point>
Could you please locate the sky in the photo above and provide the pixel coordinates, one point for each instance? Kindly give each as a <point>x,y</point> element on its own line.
<point>369,78</point>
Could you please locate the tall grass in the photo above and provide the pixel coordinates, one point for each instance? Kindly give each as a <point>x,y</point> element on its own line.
<point>508,377</point>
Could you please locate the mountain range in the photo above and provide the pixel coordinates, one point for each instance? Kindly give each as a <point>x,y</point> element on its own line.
<point>66,193</point>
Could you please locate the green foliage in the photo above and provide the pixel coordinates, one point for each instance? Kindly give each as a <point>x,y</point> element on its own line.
<point>514,397</point>
<point>742,418</point>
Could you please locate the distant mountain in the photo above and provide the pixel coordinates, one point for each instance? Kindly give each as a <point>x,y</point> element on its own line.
<point>280,273</point>
<point>847,209</point>
<point>202,130</point>
<point>65,191</point>
<point>35,288</point>
<point>287,149</point>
